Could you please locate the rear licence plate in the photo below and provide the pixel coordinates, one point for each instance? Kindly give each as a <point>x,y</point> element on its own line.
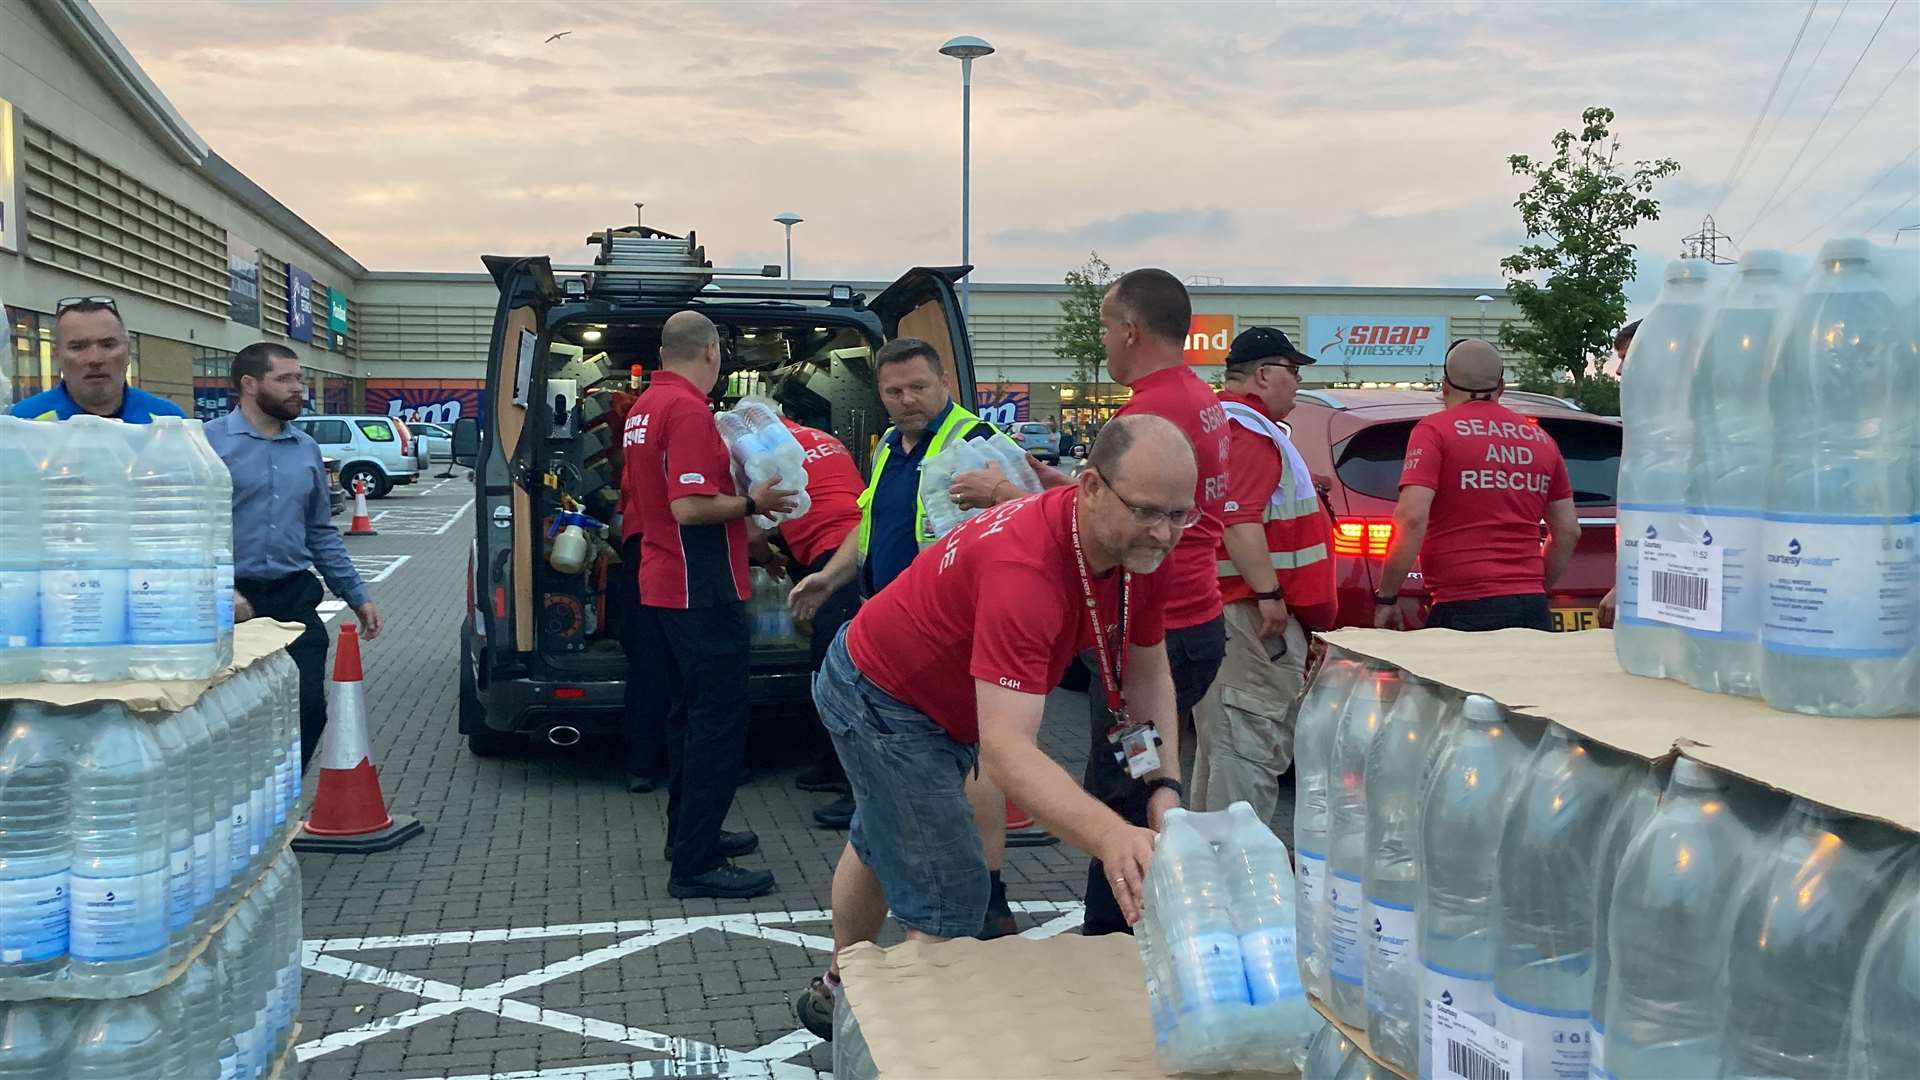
<point>1575,618</point>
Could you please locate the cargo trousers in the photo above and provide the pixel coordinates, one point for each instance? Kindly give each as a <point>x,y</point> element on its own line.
<point>1245,722</point>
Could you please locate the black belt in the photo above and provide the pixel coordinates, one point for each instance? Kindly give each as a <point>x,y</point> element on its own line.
<point>269,583</point>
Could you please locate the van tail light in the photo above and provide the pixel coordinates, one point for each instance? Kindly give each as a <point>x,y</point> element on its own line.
<point>1362,538</point>
<point>499,602</point>
<point>470,585</point>
<point>569,693</point>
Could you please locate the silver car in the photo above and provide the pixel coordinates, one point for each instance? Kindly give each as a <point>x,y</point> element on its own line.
<point>378,449</point>
<point>437,438</point>
<point>1037,439</point>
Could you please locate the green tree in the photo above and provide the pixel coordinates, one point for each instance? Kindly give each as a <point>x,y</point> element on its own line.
<point>1077,340</point>
<point>1569,278</point>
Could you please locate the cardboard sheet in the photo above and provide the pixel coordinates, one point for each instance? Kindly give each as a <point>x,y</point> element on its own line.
<point>253,641</point>
<point>1870,768</point>
<point>1063,1006</point>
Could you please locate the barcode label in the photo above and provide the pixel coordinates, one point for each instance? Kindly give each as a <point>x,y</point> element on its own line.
<point>1465,1061</point>
<point>1680,590</point>
<point>1681,584</point>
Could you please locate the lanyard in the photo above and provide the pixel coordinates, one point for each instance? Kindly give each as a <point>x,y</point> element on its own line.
<point>1113,661</point>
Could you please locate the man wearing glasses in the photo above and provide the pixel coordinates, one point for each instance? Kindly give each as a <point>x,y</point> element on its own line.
<point>1276,582</point>
<point>90,342</point>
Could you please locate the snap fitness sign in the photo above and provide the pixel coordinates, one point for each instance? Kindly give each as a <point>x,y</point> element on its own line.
<point>1208,339</point>
<point>1376,340</point>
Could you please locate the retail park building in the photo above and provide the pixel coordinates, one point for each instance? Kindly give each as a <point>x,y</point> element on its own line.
<point>106,190</point>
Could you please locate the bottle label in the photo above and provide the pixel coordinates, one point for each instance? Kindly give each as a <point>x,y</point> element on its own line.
<point>1680,584</point>
<point>1634,522</point>
<point>1390,945</point>
<point>259,811</point>
<point>1737,535</point>
<point>1464,993</point>
<point>1841,588</point>
<point>222,850</point>
<point>224,598</point>
<point>33,918</point>
<point>1596,1051</point>
<point>1463,1047</point>
<point>202,870</point>
<point>242,837</point>
<point>1553,1041</point>
<point>230,1066</point>
<point>1273,967</point>
<point>1311,873</point>
<point>180,888</point>
<point>83,607</point>
<point>119,918</point>
<point>1349,952</point>
<point>165,607</point>
<point>19,609</point>
<point>1208,970</point>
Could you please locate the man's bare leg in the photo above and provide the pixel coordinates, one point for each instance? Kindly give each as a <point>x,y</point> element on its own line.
<point>859,905</point>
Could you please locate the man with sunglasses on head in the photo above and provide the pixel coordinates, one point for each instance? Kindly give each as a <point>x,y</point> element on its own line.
<point>1477,481</point>
<point>1276,583</point>
<point>90,342</point>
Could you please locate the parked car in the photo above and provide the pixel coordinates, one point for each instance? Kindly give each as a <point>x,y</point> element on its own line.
<point>437,439</point>
<point>1353,442</point>
<point>378,449</point>
<point>1037,439</point>
<point>336,495</point>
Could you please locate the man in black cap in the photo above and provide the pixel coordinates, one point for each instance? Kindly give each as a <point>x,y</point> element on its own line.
<point>1276,582</point>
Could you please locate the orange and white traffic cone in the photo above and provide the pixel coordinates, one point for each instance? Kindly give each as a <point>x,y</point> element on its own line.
<point>1022,832</point>
<point>349,814</point>
<point>362,525</point>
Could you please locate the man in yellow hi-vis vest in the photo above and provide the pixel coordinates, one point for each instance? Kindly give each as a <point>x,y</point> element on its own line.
<point>912,380</point>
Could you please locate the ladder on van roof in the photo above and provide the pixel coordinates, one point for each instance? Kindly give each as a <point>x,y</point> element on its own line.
<point>637,261</point>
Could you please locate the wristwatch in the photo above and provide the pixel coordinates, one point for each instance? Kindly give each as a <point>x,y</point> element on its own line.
<point>1270,594</point>
<point>1170,784</point>
<point>752,507</point>
<point>1385,601</point>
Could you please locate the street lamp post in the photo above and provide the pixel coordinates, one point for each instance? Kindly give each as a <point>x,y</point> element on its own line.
<point>1483,300</point>
<point>966,49</point>
<point>789,219</point>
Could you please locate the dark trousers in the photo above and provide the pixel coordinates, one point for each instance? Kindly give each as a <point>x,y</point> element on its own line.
<point>1525,612</point>
<point>692,665</point>
<point>645,731</point>
<point>1194,653</point>
<point>833,614</point>
<point>296,598</point>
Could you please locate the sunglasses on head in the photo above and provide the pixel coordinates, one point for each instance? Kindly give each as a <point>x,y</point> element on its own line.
<point>62,305</point>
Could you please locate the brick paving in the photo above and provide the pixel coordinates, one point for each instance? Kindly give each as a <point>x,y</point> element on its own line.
<point>529,933</point>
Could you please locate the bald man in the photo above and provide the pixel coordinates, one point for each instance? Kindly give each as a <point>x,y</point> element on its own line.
<point>1477,480</point>
<point>689,646</point>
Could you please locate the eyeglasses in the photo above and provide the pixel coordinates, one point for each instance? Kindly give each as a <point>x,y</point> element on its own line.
<point>62,305</point>
<point>1148,516</point>
<point>1288,364</point>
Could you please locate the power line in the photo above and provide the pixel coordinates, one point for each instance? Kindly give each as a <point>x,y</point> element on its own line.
<point>1811,173</point>
<point>1828,111</point>
<point>1882,219</point>
<point>1739,159</point>
<point>1838,214</point>
<point>1793,96</point>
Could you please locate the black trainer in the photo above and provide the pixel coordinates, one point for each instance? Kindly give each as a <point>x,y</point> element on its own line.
<point>732,844</point>
<point>813,1007</point>
<point>999,922</point>
<point>641,783</point>
<point>823,775</point>
<point>723,882</point>
<point>837,814</point>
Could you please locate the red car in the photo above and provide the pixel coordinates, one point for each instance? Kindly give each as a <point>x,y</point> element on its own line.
<point>1354,440</point>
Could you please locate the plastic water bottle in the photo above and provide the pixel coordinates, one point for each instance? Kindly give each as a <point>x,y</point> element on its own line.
<point>1883,1040</point>
<point>182,777</point>
<point>219,792</point>
<point>1844,391</point>
<point>199,997</point>
<point>1471,784</point>
<point>1366,709</point>
<point>1727,478</point>
<point>219,500</point>
<point>118,898</point>
<point>172,620</point>
<point>260,793</point>
<point>1313,729</point>
<point>1006,453</point>
<point>222,1023</point>
<point>205,765</point>
<point>1655,454</point>
<point>1326,1053</point>
<point>1189,899</point>
<point>23,445</point>
<point>83,579</point>
<point>1261,893</point>
<point>1799,940</point>
<point>286,698</point>
<point>1543,939</point>
<point>1667,927</point>
<point>1396,762</point>
<point>936,476</point>
<point>36,844</point>
<point>1359,1066</point>
<point>122,1039</point>
<point>1630,813</point>
<point>35,1036</point>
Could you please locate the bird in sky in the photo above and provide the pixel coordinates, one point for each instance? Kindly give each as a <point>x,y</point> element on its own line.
<point>557,37</point>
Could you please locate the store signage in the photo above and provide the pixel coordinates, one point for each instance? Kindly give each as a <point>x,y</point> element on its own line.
<point>243,282</point>
<point>299,304</point>
<point>1208,338</point>
<point>1377,340</point>
<point>1003,403</point>
<point>10,223</point>
<point>440,402</point>
<point>336,311</point>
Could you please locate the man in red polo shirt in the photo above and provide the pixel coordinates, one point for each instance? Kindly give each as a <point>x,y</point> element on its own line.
<point>1276,583</point>
<point>995,611</point>
<point>1477,481</point>
<point>693,591</point>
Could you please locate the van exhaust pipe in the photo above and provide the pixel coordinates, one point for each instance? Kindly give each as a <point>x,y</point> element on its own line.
<point>563,735</point>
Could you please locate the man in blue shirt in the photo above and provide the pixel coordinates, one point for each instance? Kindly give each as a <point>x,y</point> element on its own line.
<point>90,342</point>
<point>282,522</point>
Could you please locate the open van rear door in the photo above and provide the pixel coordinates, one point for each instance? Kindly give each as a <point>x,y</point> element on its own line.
<point>505,541</point>
<point>923,304</point>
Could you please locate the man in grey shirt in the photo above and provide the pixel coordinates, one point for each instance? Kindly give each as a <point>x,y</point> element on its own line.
<point>282,522</point>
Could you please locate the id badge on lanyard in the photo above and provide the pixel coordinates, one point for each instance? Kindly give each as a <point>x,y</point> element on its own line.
<point>1135,746</point>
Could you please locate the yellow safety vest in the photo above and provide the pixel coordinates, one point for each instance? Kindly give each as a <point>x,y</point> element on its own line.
<point>958,419</point>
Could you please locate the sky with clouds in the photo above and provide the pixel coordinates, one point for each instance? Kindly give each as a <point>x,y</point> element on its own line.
<point>1269,143</point>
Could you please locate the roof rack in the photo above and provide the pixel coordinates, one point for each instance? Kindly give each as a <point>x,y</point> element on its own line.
<point>636,261</point>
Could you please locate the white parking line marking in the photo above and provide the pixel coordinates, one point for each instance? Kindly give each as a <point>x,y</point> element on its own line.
<point>457,515</point>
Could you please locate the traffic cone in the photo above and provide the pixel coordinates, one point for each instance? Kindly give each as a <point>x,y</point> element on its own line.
<point>1022,832</point>
<point>349,815</point>
<point>362,525</point>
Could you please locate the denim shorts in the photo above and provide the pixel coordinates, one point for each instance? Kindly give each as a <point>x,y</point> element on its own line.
<point>912,824</point>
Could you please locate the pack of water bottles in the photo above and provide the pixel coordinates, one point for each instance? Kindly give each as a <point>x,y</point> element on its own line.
<point>1217,943</point>
<point>230,1012</point>
<point>762,447</point>
<point>1488,894</point>
<point>116,551</point>
<point>124,836</point>
<point>1769,494</point>
<point>768,620</point>
<point>966,455</point>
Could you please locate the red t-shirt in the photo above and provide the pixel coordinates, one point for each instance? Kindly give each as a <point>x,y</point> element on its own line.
<point>1492,472</point>
<point>672,448</point>
<point>834,486</point>
<point>1188,576</point>
<point>999,598</point>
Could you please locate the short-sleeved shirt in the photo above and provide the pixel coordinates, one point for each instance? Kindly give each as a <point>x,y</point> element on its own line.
<point>891,544</point>
<point>833,487</point>
<point>998,599</point>
<point>1189,575</point>
<point>1492,473</point>
<point>136,406</point>
<point>672,448</point>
